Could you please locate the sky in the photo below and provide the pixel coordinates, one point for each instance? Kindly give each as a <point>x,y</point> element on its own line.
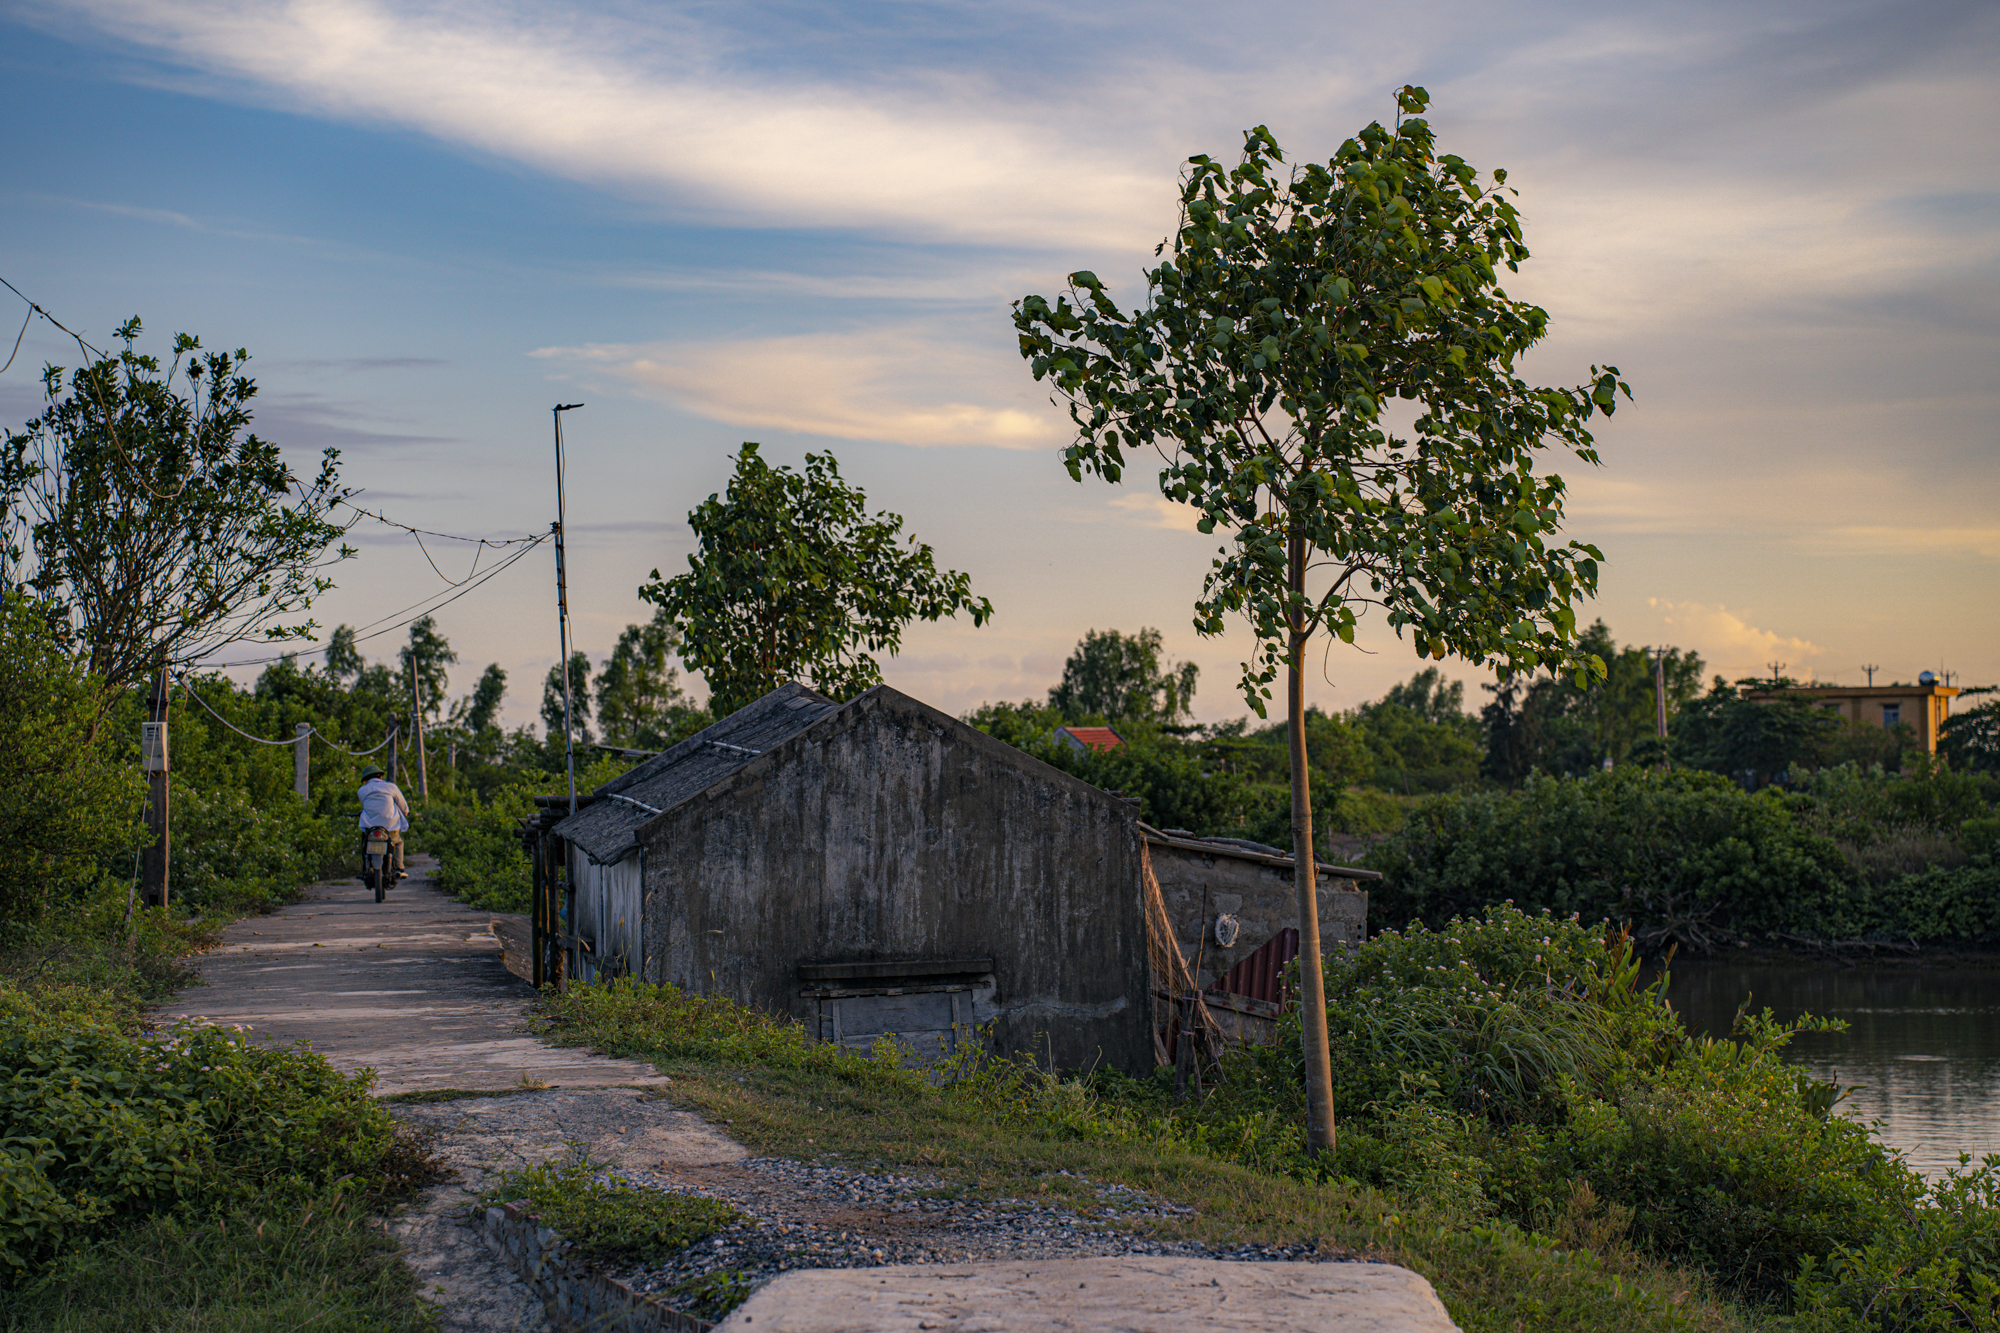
<point>804,224</point>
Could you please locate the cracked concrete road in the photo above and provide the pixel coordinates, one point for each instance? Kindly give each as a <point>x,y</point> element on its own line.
<point>413,988</point>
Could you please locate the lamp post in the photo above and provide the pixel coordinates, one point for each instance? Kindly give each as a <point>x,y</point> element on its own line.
<point>562,612</point>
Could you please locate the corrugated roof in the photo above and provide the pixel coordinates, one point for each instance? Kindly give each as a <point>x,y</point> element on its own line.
<point>607,828</point>
<point>1243,849</point>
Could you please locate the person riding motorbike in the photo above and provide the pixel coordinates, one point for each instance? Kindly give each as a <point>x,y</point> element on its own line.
<point>383,807</point>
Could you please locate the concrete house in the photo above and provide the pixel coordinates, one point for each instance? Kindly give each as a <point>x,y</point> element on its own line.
<point>868,868</point>
<point>1235,918</point>
<point>1923,707</point>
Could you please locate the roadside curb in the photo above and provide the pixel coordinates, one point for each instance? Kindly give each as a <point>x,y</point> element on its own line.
<point>575,1297</point>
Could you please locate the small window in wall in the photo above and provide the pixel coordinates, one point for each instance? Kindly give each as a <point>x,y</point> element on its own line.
<point>1891,714</point>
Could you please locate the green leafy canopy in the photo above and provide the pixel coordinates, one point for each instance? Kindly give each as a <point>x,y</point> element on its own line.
<point>1295,308</point>
<point>794,578</point>
<point>155,524</point>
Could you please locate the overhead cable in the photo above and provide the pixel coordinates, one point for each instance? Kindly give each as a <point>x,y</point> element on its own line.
<point>422,609</point>
<point>311,730</point>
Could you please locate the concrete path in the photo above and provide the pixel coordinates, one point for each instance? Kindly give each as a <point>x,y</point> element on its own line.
<point>416,989</point>
<point>1123,1295</point>
<point>413,988</point>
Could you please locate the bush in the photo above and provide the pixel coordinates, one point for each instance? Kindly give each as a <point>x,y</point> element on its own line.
<point>1940,1272</point>
<point>1511,1069</point>
<point>234,854</point>
<point>1684,856</point>
<point>99,1128</point>
<point>66,802</point>
<point>478,843</point>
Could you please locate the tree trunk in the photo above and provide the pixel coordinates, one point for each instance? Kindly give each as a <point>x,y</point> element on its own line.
<point>1305,873</point>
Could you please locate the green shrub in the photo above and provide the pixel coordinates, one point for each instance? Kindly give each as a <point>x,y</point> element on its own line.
<point>234,854</point>
<point>67,802</point>
<point>608,1219</point>
<point>1680,856</point>
<point>481,861</point>
<point>1940,1271</point>
<point>98,1127</point>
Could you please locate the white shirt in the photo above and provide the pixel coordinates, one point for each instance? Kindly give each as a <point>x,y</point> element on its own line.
<point>383,806</point>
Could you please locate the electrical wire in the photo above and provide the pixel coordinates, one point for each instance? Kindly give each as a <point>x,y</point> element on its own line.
<point>480,544</point>
<point>187,687</point>
<point>448,536</point>
<point>461,590</point>
<point>25,321</point>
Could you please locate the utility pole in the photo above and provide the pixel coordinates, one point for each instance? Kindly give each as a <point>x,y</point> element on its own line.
<point>302,762</point>
<point>417,722</point>
<point>562,612</point>
<point>153,758</point>
<point>395,726</point>
<point>1660,692</point>
<point>1871,669</point>
<point>1778,672</point>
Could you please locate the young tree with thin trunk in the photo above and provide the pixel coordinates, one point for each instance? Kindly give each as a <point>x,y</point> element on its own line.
<point>1295,308</point>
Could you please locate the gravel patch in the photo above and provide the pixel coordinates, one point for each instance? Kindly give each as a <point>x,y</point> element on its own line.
<point>806,1215</point>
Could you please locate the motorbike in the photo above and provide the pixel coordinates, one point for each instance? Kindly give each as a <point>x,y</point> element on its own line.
<point>379,865</point>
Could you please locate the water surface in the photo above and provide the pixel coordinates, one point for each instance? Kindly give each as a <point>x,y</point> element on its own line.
<point>1924,1042</point>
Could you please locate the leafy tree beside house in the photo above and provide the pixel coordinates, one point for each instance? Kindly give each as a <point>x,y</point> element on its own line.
<point>1550,725</point>
<point>793,578</point>
<point>1725,732</point>
<point>640,702</point>
<point>1420,737</point>
<point>1293,305</point>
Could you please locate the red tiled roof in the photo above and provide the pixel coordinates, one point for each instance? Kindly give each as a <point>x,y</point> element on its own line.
<point>1097,738</point>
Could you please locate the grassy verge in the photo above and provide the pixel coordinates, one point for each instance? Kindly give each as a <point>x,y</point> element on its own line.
<point>1015,1133</point>
<point>281,1267</point>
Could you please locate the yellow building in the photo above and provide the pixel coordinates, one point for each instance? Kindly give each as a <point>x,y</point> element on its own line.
<point>1923,706</point>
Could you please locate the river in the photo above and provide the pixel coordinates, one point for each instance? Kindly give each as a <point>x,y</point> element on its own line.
<point>1923,1041</point>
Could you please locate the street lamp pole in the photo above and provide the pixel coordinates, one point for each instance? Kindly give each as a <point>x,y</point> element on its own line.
<point>562,611</point>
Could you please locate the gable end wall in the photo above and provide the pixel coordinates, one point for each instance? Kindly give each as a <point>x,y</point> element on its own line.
<point>890,831</point>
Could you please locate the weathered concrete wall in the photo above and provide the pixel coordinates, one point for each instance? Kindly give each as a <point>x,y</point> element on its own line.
<point>1257,891</point>
<point>889,831</point>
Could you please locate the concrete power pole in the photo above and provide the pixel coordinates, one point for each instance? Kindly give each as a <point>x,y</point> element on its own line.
<point>153,758</point>
<point>1660,692</point>
<point>417,729</point>
<point>562,612</point>
<point>302,762</point>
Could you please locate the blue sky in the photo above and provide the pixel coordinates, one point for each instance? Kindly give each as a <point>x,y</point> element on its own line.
<point>803,224</point>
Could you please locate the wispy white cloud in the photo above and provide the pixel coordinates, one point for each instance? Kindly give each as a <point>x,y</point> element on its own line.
<point>902,387</point>
<point>1154,510</point>
<point>637,105</point>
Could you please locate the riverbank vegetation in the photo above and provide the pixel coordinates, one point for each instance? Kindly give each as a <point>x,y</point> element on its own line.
<point>1516,804</point>
<point>1522,1120</point>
